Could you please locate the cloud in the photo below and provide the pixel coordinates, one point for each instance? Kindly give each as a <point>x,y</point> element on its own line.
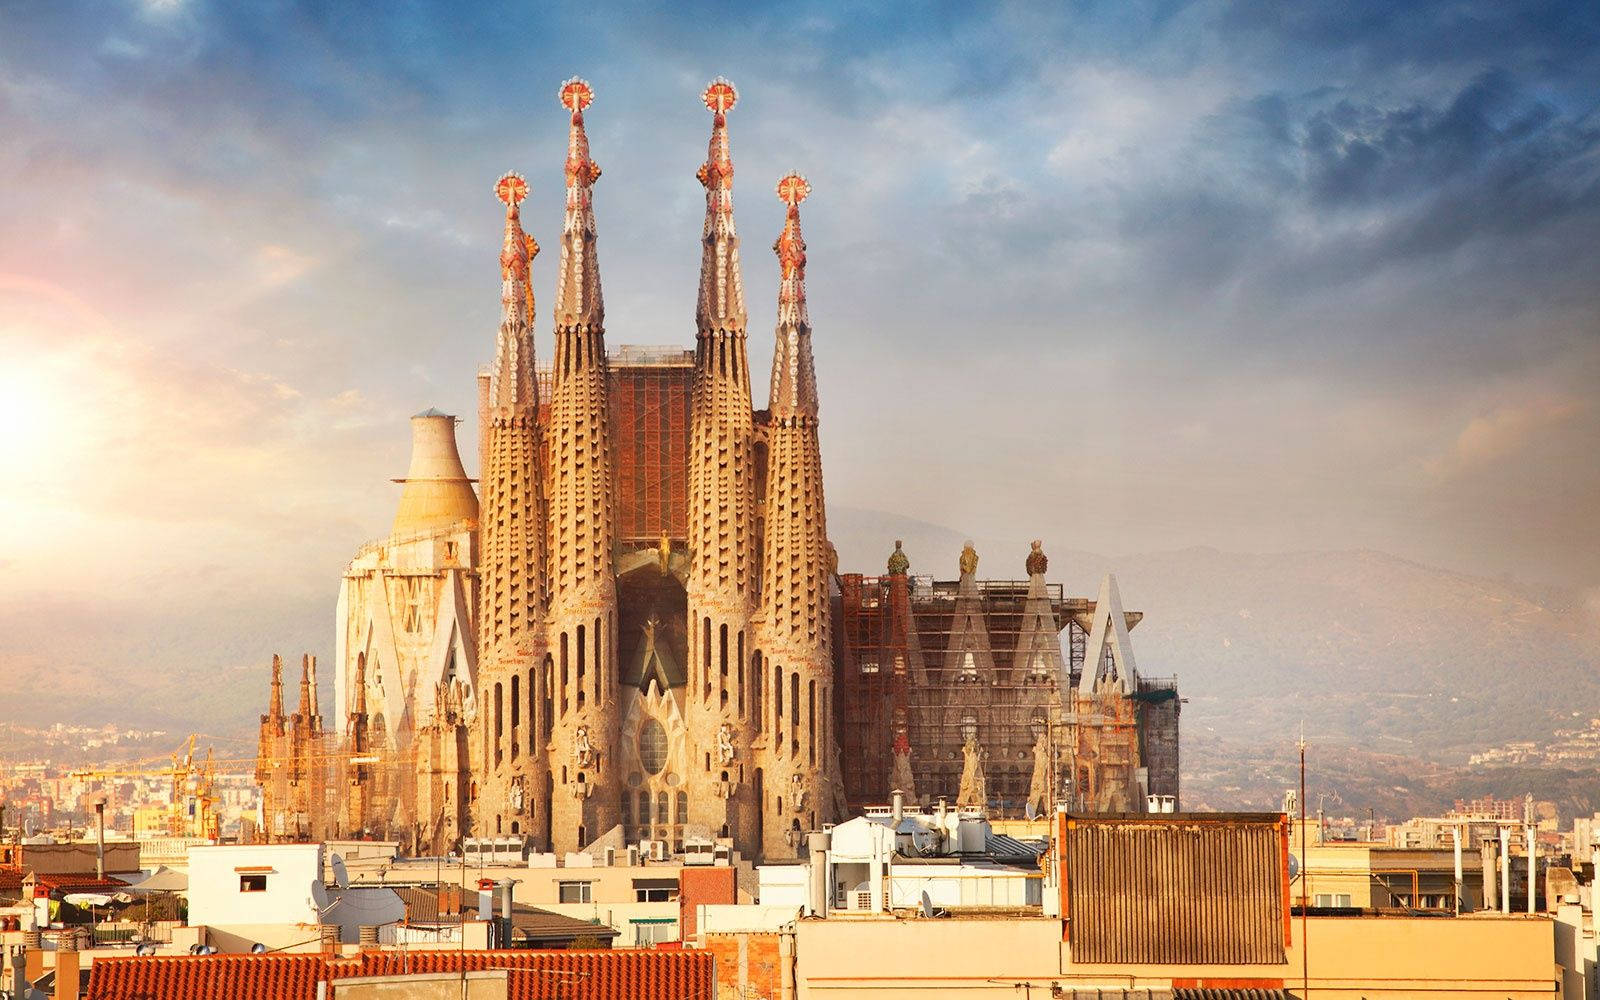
<point>1491,437</point>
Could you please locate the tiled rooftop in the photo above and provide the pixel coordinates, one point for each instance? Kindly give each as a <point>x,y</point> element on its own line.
<point>534,975</point>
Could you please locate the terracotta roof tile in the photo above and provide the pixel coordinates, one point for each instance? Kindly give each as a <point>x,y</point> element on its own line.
<point>207,977</point>
<point>534,975</point>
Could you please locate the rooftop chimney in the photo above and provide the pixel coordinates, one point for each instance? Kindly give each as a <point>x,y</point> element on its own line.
<point>437,491</point>
<point>899,806</point>
<point>100,839</point>
<point>818,844</point>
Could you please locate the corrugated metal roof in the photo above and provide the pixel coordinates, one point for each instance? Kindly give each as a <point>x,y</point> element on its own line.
<point>1175,889</point>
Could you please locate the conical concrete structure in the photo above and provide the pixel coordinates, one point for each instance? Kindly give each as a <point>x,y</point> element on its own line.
<point>721,587</point>
<point>437,491</point>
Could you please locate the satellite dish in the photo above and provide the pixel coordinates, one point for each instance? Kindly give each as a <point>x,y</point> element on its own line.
<point>341,876</point>
<point>1294,867</point>
<point>927,905</point>
<point>1031,811</point>
<point>258,949</point>
<point>148,948</point>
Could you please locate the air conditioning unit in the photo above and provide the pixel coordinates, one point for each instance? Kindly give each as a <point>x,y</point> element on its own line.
<point>658,850</point>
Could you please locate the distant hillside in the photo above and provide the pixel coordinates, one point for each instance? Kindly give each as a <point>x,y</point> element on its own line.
<point>1384,660</point>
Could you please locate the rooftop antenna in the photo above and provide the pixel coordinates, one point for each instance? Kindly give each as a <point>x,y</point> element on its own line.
<point>927,905</point>
<point>341,875</point>
<point>1031,811</point>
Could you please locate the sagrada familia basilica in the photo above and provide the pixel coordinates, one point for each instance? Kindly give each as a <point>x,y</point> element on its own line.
<point>635,627</point>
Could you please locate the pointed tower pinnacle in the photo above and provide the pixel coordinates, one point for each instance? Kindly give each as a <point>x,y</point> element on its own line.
<point>797,635</point>
<point>512,381</point>
<point>511,577</point>
<point>305,709</point>
<point>794,378</point>
<point>275,706</point>
<point>721,584</point>
<point>721,304</point>
<point>578,302</point>
<point>581,624</point>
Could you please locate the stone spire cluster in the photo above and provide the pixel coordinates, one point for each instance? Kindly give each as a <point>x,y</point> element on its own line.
<point>721,587</point>
<point>288,760</point>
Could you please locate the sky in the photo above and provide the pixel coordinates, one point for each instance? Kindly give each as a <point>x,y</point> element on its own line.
<point>1133,276</point>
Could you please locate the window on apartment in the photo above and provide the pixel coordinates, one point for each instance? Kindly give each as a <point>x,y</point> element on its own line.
<point>653,932</point>
<point>575,892</point>
<point>1331,899</point>
<point>655,890</point>
<point>253,883</point>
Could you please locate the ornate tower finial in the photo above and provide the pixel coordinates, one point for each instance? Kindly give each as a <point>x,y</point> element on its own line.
<point>578,300</point>
<point>721,305</point>
<point>512,380</point>
<point>794,379</point>
<point>1037,561</point>
<point>898,562</point>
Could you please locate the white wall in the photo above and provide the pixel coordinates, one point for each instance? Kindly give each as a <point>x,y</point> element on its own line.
<point>294,892</point>
<point>783,885</point>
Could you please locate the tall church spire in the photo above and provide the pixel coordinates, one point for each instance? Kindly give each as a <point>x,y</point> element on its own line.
<point>794,377</point>
<point>722,570</point>
<point>578,301</point>
<point>796,633</point>
<point>721,304</point>
<point>582,623</point>
<point>512,587</point>
<point>512,385</point>
<point>275,706</point>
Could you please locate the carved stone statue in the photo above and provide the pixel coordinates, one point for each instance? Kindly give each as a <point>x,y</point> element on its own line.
<point>664,554</point>
<point>799,795</point>
<point>969,559</point>
<point>725,751</point>
<point>1039,786</point>
<point>1037,561</point>
<point>833,560</point>
<point>898,563</point>
<point>974,790</point>
<point>582,752</point>
<point>518,798</point>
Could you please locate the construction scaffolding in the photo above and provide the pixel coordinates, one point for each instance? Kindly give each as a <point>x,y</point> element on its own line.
<point>651,391</point>
<point>931,668</point>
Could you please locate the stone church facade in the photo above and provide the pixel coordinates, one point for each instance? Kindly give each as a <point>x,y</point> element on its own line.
<point>627,632</point>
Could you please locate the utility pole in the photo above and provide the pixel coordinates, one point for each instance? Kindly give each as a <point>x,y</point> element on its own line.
<point>1305,874</point>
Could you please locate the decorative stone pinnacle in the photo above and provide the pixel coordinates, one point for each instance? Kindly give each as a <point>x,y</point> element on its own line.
<point>511,188</point>
<point>720,96</point>
<point>576,94</point>
<point>793,188</point>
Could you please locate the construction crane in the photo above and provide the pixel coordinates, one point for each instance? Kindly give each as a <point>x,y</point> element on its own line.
<point>192,798</point>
